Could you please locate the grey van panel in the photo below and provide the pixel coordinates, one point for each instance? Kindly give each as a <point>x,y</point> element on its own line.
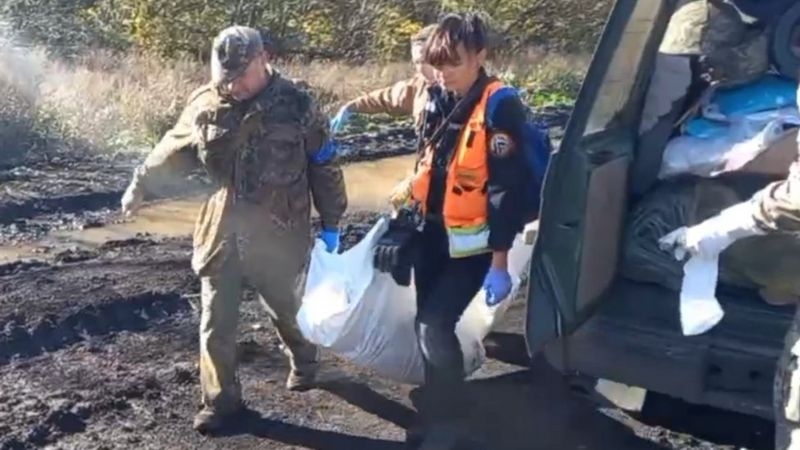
<point>585,192</point>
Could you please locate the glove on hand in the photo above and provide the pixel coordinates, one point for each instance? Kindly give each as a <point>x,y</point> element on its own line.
<point>340,119</point>
<point>712,236</point>
<point>134,195</point>
<point>330,236</point>
<point>394,250</point>
<point>497,285</point>
<point>401,194</point>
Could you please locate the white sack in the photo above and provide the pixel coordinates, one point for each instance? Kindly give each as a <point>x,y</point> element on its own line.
<point>699,308</point>
<point>365,317</point>
<point>706,157</point>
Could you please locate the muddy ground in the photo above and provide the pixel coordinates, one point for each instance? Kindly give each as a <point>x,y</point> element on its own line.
<point>55,188</point>
<point>98,348</point>
<point>67,189</point>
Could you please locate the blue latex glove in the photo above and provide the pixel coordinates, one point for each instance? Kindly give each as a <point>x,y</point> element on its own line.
<point>497,285</point>
<point>330,236</point>
<point>341,118</point>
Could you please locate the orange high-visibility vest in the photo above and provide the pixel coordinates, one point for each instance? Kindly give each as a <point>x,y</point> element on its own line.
<point>466,201</point>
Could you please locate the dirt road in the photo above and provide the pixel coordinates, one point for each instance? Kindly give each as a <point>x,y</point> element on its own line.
<point>98,346</point>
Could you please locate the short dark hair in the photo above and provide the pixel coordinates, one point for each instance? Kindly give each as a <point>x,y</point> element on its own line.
<point>453,30</point>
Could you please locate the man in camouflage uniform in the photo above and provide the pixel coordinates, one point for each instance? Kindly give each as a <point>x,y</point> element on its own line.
<point>774,209</point>
<point>706,42</point>
<point>264,143</point>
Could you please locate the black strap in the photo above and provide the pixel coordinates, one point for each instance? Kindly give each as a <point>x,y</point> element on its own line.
<point>467,101</point>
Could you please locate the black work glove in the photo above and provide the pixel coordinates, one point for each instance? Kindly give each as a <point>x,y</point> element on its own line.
<point>395,249</point>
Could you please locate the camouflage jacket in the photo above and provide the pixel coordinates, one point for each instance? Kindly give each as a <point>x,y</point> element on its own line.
<point>730,50</point>
<point>268,157</point>
<point>404,97</point>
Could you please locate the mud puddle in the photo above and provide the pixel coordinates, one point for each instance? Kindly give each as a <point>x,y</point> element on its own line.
<point>368,186</point>
<point>69,189</point>
<point>47,190</point>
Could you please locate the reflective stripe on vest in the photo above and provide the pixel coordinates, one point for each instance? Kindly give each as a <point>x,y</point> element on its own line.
<point>466,202</point>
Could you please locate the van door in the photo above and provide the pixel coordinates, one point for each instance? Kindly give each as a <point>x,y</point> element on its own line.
<point>585,192</point>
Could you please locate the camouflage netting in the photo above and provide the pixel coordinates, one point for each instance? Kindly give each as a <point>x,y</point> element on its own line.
<point>769,263</point>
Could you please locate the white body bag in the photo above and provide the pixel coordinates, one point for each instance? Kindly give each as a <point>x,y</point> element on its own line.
<point>362,315</point>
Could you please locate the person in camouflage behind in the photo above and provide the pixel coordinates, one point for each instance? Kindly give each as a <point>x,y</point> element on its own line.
<point>406,97</point>
<point>264,143</point>
<point>773,209</point>
<point>776,209</point>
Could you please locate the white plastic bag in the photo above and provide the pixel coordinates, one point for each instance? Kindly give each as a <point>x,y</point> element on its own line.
<point>365,317</point>
<point>706,157</point>
<point>699,308</point>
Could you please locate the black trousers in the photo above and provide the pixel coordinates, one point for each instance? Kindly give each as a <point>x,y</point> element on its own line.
<point>445,286</point>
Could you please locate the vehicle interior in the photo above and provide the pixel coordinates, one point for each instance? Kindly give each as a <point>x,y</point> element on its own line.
<point>598,308</point>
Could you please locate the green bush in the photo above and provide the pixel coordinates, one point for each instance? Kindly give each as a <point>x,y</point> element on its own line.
<point>330,29</point>
<point>550,80</point>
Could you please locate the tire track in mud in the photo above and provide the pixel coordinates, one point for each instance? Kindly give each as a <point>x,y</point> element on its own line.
<point>91,393</point>
<point>68,204</point>
<point>67,325</point>
<point>19,339</point>
<point>81,295</point>
<point>101,308</point>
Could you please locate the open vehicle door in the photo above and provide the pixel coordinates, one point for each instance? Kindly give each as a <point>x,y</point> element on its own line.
<point>584,199</point>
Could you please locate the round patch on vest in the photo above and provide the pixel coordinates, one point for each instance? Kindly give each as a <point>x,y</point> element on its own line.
<point>501,145</point>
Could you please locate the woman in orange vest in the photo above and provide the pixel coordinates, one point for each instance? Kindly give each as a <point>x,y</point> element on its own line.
<point>470,185</point>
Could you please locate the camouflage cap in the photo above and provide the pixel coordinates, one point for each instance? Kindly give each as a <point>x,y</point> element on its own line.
<point>730,51</point>
<point>684,34</point>
<point>232,51</point>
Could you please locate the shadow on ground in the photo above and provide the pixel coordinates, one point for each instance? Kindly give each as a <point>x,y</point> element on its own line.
<point>523,409</point>
<point>705,422</point>
<point>253,424</point>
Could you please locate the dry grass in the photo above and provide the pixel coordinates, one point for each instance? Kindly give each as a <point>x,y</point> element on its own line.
<point>118,102</point>
<point>537,61</point>
<point>340,82</point>
<point>104,102</point>
<point>126,103</point>
<point>548,78</point>
<point>17,122</point>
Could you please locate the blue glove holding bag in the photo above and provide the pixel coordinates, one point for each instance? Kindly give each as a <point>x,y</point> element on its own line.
<point>497,285</point>
<point>330,236</point>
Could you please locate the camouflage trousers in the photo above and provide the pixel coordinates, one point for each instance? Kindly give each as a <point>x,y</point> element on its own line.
<point>777,208</point>
<point>275,268</point>
<point>787,391</point>
<point>778,204</point>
